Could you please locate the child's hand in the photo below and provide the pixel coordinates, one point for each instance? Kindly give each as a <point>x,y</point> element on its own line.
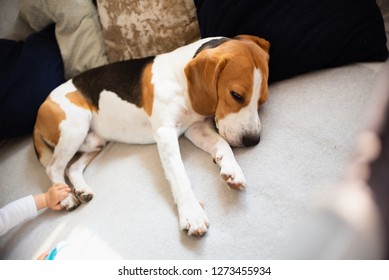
<point>55,194</point>
<point>43,256</point>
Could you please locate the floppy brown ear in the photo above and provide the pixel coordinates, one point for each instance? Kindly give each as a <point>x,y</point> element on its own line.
<point>264,44</point>
<point>202,74</point>
<point>264,90</point>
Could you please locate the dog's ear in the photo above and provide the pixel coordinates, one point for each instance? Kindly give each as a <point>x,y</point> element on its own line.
<point>263,65</point>
<point>264,88</point>
<point>262,43</point>
<point>202,74</point>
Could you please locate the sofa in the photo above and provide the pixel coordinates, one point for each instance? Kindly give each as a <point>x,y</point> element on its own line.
<point>310,185</point>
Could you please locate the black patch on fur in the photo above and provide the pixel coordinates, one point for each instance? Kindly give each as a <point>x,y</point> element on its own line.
<point>211,44</point>
<point>123,78</point>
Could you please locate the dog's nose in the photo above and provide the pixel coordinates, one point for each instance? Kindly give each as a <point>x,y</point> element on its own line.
<point>250,140</point>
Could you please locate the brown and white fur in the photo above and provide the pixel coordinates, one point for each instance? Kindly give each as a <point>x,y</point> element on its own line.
<point>156,99</point>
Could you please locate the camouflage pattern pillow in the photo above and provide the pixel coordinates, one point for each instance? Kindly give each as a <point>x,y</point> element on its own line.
<point>133,29</point>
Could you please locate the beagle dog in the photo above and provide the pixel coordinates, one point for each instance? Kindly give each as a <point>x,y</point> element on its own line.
<point>212,82</point>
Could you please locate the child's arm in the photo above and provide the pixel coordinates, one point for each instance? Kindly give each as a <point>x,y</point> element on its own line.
<point>27,207</point>
<point>16,212</point>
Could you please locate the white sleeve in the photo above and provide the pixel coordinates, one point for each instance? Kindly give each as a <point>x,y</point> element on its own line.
<point>16,212</point>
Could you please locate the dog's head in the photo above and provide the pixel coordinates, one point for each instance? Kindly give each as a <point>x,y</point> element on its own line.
<point>227,78</point>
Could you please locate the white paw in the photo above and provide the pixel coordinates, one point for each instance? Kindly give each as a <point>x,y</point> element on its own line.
<point>231,172</point>
<point>84,194</point>
<point>193,218</point>
<point>70,202</point>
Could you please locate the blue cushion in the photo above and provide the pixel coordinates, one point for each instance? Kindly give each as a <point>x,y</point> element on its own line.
<point>29,71</point>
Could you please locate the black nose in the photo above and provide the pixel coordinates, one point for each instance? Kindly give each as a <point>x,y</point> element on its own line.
<point>250,140</point>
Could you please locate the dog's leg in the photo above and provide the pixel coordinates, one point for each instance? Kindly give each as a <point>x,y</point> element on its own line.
<point>191,214</point>
<point>206,138</point>
<point>90,148</point>
<point>75,174</point>
<point>73,135</point>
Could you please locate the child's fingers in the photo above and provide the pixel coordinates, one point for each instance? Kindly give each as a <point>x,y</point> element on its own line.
<point>66,189</point>
<point>63,187</point>
<point>63,194</point>
<point>43,256</point>
<point>59,186</point>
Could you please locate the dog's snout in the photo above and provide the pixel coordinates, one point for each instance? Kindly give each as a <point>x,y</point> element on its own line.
<point>250,140</point>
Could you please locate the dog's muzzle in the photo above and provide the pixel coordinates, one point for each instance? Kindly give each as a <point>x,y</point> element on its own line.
<point>246,140</point>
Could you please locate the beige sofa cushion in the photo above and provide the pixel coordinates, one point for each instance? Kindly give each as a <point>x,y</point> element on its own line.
<point>133,29</point>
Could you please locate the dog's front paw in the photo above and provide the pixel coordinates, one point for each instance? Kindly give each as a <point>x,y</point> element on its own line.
<point>231,172</point>
<point>193,218</point>
<point>70,202</point>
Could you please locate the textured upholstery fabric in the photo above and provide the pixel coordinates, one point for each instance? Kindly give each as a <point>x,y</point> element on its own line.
<point>134,29</point>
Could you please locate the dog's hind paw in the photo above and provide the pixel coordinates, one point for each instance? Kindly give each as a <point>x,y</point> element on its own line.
<point>84,196</point>
<point>193,218</point>
<point>70,202</point>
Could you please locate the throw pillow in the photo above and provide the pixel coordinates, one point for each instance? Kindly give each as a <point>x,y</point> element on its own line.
<point>29,71</point>
<point>134,29</point>
<point>305,35</point>
<point>77,29</point>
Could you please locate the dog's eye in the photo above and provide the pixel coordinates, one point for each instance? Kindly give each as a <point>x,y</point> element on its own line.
<point>237,97</point>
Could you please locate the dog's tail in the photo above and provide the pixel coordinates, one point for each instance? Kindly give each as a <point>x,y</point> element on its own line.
<point>42,150</point>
